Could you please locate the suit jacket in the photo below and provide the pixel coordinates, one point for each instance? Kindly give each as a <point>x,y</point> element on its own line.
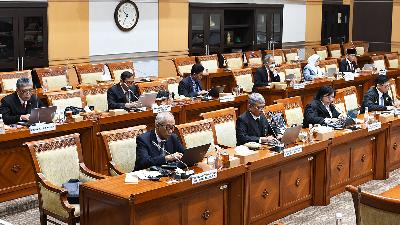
<point>247,129</point>
<point>186,87</point>
<point>147,154</point>
<point>116,98</point>
<point>11,108</point>
<point>371,100</point>
<point>263,77</point>
<point>345,66</point>
<point>315,113</point>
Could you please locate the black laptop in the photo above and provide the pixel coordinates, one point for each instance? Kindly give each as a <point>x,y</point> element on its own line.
<point>192,156</point>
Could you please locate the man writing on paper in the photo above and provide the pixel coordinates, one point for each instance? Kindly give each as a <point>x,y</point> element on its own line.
<point>252,126</point>
<point>159,146</point>
<point>377,97</point>
<point>17,106</point>
<point>123,95</point>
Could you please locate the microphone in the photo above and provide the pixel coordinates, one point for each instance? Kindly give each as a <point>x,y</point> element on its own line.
<point>162,149</point>
<point>129,90</point>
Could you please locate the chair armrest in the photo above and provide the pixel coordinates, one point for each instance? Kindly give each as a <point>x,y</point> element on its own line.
<point>114,167</point>
<point>41,179</point>
<point>90,173</point>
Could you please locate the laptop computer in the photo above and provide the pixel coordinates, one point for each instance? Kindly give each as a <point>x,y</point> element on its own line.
<point>147,99</point>
<point>191,156</point>
<point>44,115</point>
<point>214,91</point>
<point>291,134</point>
<point>331,72</point>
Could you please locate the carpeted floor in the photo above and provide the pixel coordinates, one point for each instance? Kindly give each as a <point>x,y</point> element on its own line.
<point>24,211</point>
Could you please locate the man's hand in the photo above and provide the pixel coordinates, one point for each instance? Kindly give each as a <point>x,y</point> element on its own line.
<point>132,105</point>
<point>268,139</point>
<point>397,104</point>
<point>25,117</point>
<point>172,157</point>
<point>390,107</point>
<point>203,92</point>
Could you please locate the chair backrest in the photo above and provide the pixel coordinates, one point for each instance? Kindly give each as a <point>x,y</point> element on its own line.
<point>278,54</point>
<point>209,62</point>
<point>340,102</point>
<point>184,65</point>
<point>96,95</point>
<point>153,86</point>
<point>225,125</point>
<point>2,95</point>
<point>350,97</point>
<point>57,158</point>
<point>335,51</point>
<point>282,72</point>
<point>294,69</point>
<point>330,63</point>
<point>244,79</point>
<point>290,54</point>
<point>234,60</point>
<point>9,79</point>
<point>63,99</point>
<point>293,110</point>
<point>361,47</point>
<point>346,46</point>
<point>172,84</point>
<point>197,133</point>
<point>116,68</point>
<point>120,148</point>
<point>393,89</point>
<point>89,73</point>
<point>392,60</point>
<point>371,209</point>
<point>322,51</point>
<point>379,62</point>
<point>254,59</point>
<point>56,77</point>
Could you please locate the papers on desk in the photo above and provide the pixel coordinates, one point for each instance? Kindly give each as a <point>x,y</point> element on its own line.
<point>131,178</point>
<point>144,174</point>
<point>348,76</point>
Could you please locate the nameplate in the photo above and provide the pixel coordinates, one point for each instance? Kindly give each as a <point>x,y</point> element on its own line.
<point>299,86</point>
<point>228,98</point>
<point>374,126</point>
<point>204,176</point>
<point>161,108</point>
<point>41,127</point>
<point>2,129</point>
<point>348,76</point>
<point>293,150</point>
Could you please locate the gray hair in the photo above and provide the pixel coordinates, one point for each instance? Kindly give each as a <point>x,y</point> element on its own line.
<point>23,81</point>
<point>163,116</point>
<point>266,58</point>
<point>256,98</point>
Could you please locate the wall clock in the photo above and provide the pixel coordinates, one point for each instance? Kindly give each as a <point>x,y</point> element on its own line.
<point>126,15</point>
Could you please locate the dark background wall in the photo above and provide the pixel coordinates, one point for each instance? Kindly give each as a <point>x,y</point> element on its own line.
<point>372,22</point>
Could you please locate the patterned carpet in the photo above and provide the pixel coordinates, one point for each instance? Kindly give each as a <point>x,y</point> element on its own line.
<point>25,211</point>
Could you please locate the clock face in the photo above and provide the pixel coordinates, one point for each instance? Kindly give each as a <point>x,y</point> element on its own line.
<point>126,15</point>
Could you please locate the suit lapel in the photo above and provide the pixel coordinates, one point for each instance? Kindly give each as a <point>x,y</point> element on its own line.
<point>253,123</point>
<point>323,109</point>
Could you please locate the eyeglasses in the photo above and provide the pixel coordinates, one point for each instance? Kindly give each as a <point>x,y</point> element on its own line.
<point>329,96</point>
<point>385,85</point>
<point>26,91</point>
<point>259,107</point>
<point>168,127</point>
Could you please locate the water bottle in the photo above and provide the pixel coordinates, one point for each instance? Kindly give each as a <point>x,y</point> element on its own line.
<point>45,86</point>
<point>310,133</point>
<point>339,217</point>
<point>2,128</point>
<point>366,115</point>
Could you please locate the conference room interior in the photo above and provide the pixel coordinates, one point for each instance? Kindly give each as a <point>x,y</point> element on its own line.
<point>211,69</point>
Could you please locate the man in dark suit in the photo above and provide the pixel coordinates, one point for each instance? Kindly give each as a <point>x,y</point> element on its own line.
<point>349,63</point>
<point>253,126</point>
<point>377,97</point>
<point>266,74</point>
<point>159,146</point>
<point>123,95</point>
<point>17,106</point>
<point>321,110</point>
<point>190,86</point>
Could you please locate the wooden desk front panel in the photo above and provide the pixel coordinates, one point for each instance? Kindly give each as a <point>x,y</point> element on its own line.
<point>16,171</point>
<point>394,147</point>
<point>274,190</point>
<point>351,163</point>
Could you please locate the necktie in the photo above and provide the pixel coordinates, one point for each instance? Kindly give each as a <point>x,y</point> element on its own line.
<point>382,101</point>
<point>24,105</point>
<point>260,126</point>
<point>162,145</point>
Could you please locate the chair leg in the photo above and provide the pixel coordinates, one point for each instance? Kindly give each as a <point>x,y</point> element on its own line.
<point>43,219</point>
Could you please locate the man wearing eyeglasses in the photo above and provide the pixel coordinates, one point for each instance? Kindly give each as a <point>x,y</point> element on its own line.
<point>159,146</point>
<point>17,106</point>
<point>377,97</point>
<point>253,126</point>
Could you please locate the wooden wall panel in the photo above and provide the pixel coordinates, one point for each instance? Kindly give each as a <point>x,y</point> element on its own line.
<point>313,26</point>
<point>396,26</point>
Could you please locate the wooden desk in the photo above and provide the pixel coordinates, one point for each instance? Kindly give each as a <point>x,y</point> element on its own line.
<point>217,201</point>
<point>16,172</point>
